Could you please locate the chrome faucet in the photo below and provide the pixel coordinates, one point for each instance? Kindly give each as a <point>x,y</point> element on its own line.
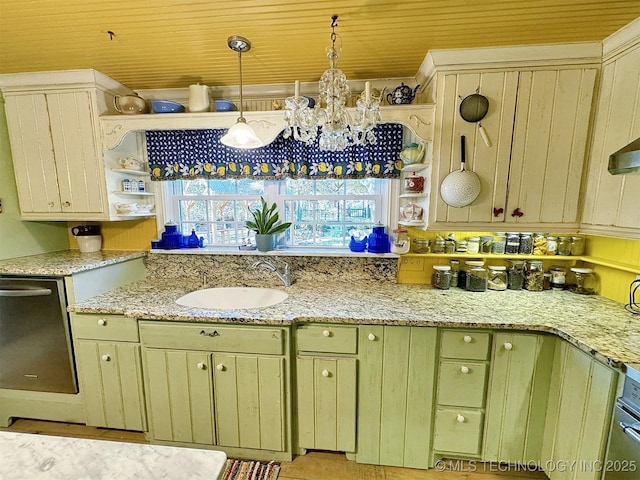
<point>285,276</point>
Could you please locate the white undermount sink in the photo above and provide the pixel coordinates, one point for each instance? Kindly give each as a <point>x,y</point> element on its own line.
<point>233,298</point>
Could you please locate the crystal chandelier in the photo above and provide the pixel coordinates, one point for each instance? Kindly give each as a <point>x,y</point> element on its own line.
<point>330,116</point>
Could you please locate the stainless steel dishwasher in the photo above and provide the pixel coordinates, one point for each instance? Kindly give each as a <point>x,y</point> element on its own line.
<point>35,343</point>
<point>623,456</point>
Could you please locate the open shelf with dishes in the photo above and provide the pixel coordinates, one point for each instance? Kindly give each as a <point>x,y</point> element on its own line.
<point>130,171</point>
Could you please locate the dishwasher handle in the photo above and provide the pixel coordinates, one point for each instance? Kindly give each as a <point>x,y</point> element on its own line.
<point>633,430</point>
<point>25,292</point>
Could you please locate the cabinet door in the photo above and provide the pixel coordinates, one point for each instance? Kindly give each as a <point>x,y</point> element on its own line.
<point>250,401</point>
<point>396,395</point>
<point>326,399</point>
<point>549,145</point>
<point>179,395</point>
<point>111,384</point>
<point>579,414</point>
<point>517,400</point>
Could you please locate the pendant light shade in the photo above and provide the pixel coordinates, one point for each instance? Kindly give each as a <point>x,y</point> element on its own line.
<point>240,135</point>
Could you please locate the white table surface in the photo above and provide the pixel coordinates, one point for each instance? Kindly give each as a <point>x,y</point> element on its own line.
<point>32,457</point>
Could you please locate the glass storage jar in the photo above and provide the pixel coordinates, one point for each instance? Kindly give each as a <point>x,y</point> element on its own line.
<point>400,241</point>
<point>558,277</point>
<point>464,271</point>
<point>421,245</point>
<point>473,245</point>
<point>564,246</point>
<point>449,245</point>
<point>438,245</point>
<point>499,243</point>
<point>513,243</point>
<point>485,243</point>
<point>455,269</point>
<point>586,281</point>
<point>552,245</point>
<point>540,244</point>
<point>534,276</point>
<point>477,279</point>
<point>526,244</point>
<point>461,246</point>
<point>577,246</point>
<point>516,275</point>
<point>441,277</point>
<point>497,279</point>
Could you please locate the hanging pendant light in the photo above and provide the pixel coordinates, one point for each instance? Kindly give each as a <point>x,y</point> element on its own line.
<point>330,117</point>
<point>240,135</point>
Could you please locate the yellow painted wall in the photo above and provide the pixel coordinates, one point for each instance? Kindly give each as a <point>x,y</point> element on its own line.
<point>126,235</point>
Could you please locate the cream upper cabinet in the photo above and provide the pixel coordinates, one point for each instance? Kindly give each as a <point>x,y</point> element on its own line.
<point>611,201</point>
<point>52,119</point>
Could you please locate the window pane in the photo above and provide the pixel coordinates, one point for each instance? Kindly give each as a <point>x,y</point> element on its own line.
<point>365,186</point>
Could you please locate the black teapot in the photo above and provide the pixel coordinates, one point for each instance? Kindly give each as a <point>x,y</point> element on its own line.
<point>402,95</point>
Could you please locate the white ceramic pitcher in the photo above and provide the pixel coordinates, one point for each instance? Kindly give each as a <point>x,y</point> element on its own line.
<point>198,98</point>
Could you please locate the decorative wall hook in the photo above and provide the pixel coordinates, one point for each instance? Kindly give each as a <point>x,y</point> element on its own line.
<point>498,211</point>
<point>517,213</point>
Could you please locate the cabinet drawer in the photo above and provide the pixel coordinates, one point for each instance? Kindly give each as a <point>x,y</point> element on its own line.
<point>212,337</point>
<point>466,344</point>
<point>462,384</point>
<point>458,431</point>
<point>104,327</point>
<point>327,339</point>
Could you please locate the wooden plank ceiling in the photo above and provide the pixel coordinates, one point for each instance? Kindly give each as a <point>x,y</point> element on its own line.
<point>173,43</point>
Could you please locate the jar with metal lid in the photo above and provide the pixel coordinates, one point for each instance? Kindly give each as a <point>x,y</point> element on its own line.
<point>526,244</point>
<point>438,246</point>
<point>540,244</point>
<point>455,269</point>
<point>499,242</point>
<point>441,277</point>
<point>516,275</point>
<point>477,279</point>
<point>400,243</point>
<point>558,277</point>
<point>497,277</point>
<point>552,245</point>
<point>421,245</point>
<point>461,246</point>
<point>473,245</point>
<point>586,281</point>
<point>577,245</point>
<point>463,273</point>
<point>449,245</point>
<point>485,243</point>
<point>564,246</point>
<point>534,276</point>
<point>513,243</point>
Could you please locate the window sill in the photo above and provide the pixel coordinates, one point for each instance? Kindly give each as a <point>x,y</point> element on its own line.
<point>289,252</point>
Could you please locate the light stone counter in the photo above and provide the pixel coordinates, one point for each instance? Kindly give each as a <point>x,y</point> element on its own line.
<point>595,324</point>
<point>32,457</point>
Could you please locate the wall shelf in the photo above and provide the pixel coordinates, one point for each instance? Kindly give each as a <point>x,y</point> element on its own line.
<point>135,194</point>
<point>137,173</point>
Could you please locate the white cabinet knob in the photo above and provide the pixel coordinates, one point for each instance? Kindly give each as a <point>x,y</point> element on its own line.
<point>464,369</point>
<point>508,346</point>
<point>467,339</point>
<point>102,322</point>
<point>220,367</point>
<point>326,333</point>
<point>106,358</point>
<point>202,366</point>
<point>371,337</point>
<point>325,373</point>
<point>460,419</point>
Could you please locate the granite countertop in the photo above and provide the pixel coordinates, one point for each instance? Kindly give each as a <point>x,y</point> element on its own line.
<point>67,262</point>
<point>595,324</point>
<point>50,457</point>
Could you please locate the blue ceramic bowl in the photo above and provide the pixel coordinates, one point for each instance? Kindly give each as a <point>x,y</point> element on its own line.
<point>166,106</point>
<point>225,106</point>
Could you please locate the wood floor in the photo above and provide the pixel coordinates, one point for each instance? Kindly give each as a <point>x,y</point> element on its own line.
<point>313,466</point>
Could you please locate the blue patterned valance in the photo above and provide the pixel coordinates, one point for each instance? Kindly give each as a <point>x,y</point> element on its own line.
<point>182,154</point>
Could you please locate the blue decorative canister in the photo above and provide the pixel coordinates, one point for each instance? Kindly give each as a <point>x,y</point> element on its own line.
<point>379,240</point>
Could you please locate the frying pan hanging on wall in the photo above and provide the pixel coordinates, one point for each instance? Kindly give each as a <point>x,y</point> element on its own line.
<point>473,109</point>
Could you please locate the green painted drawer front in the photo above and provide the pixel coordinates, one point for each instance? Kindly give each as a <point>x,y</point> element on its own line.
<point>467,344</point>
<point>212,337</point>
<point>104,327</point>
<point>462,383</point>
<point>327,339</point>
<point>458,431</point>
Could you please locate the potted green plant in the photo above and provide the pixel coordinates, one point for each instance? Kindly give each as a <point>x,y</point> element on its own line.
<point>265,225</point>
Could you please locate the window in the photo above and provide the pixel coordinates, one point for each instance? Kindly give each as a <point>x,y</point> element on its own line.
<point>324,213</point>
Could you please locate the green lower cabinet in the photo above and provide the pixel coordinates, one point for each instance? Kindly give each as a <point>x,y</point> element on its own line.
<point>458,431</point>
<point>110,377</point>
<point>462,383</point>
<point>578,416</point>
<point>521,369</point>
<point>396,376</point>
<point>326,401</point>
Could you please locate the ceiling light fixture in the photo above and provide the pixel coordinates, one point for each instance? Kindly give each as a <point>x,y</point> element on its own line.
<point>331,115</point>
<point>240,135</point>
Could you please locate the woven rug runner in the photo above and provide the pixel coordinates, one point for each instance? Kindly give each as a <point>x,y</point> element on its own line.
<point>250,470</point>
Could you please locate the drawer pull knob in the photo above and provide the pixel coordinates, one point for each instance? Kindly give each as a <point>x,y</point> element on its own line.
<point>371,337</point>
<point>202,366</point>
<point>102,322</point>
<point>460,418</point>
<point>106,358</point>
<point>220,367</point>
<point>326,333</point>
<point>325,373</point>
<point>467,339</point>
<point>508,346</point>
<point>464,369</point>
